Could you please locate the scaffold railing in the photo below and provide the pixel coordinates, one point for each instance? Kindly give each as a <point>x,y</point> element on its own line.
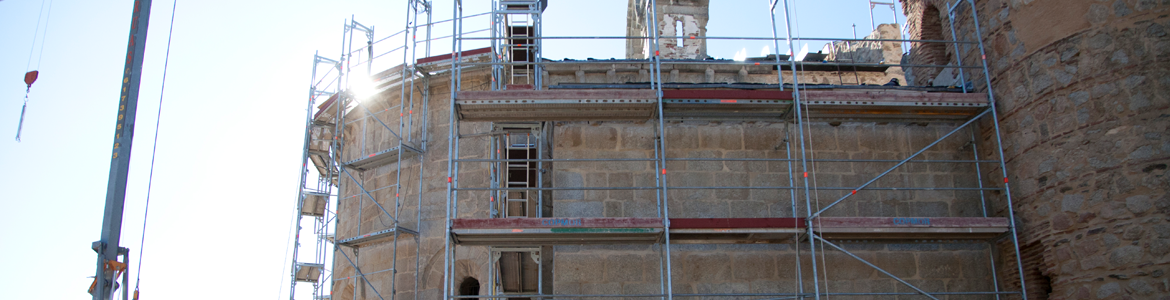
<point>798,108</point>
<point>343,98</point>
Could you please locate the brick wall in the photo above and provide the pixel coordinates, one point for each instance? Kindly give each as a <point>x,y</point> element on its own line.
<point>924,21</point>
<point>1084,123</point>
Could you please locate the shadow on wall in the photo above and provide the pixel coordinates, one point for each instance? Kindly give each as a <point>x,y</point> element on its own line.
<point>469,286</point>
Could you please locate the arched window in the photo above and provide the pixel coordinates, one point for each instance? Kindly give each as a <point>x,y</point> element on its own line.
<point>930,27</point>
<point>469,287</point>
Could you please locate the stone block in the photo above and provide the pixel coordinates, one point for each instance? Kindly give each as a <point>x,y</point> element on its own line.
<point>976,265</point>
<point>938,265</point>
<point>633,288</point>
<point>763,137</point>
<point>901,264</point>
<point>749,209</point>
<point>1125,256</point>
<point>579,209</point>
<point>753,266</point>
<point>775,287</point>
<point>722,287</point>
<point>621,180</point>
<point>862,246</point>
<point>845,267</point>
<point>876,209</point>
<point>681,248</point>
<point>573,267</point>
<point>562,288</point>
<point>720,137</point>
<point>724,179</point>
<point>703,267</point>
<point>745,165</point>
<point>627,267</point>
<point>1111,288</point>
<point>565,179</point>
<point>613,209</point>
<point>682,137</point>
<point>599,137</point>
<point>1138,204</point>
<point>924,209</point>
<point>913,246</point>
<point>704,165</point>
<point>637,136</point>
<point>601,288</point>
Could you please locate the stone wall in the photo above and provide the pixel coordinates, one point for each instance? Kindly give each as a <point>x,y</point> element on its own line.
<point>377,259</point>
<point>762,140</point>
<point>625,269</point>
<point>772,268</point>
<point>1084,124</point>
<point>636,72</point>
<point>1079,86</point>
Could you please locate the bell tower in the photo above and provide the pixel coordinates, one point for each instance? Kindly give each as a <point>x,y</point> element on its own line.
<point>682,24</point>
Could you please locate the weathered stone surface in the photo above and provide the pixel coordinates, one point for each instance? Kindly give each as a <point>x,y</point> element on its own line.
<point>1082,114</point>
<point>579,268</point>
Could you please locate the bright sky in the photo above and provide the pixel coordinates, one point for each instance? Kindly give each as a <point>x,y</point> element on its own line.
<point>232,126</point>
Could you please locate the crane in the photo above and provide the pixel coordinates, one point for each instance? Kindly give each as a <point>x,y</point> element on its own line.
<point>109,268</point>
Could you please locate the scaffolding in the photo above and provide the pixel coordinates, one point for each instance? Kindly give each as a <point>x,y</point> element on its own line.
<point>509,103</point>
<point>343,105</point>
<point>518,230</point>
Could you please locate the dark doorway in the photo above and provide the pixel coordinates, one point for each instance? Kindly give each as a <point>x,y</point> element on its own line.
<point>469,287</point>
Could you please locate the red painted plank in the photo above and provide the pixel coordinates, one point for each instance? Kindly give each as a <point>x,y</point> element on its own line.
<point>584,94</point>
<point>885,222</point>
<point>506,223</point>
<point>520,87</point>
<point>726,94</point>
<point>321,108</point>
<point>685,223</point>
<point>448,56</point>
<point>812,96</point>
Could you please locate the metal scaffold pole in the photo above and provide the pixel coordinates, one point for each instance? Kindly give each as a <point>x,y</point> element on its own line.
<point>528,110</point>
<point>799,122</point>
<point>656,83</point>
<point>452,139</point>
<point>1015,235</point>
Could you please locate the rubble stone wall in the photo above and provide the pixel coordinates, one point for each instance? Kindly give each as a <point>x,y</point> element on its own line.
<point>1081,104</point>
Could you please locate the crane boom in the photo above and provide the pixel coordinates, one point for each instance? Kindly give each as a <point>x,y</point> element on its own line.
<point>107,247</point>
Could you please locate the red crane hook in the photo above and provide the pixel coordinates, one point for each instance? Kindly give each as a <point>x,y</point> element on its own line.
<point>30,77</point>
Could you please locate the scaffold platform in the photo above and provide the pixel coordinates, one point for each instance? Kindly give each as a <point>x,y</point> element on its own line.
<point>375,237</point>
<point>910,228</point>
<point>381,158</point>
<point>641,104</point>
<point>734,230</point>
<point>556,231</point>
<point>544,105</point>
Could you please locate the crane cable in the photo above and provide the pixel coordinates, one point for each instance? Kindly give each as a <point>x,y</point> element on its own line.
<point>30,76</point>
<point>154,151</point>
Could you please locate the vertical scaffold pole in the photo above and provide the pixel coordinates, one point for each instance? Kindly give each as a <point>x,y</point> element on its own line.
<point>999,149</point>
<point>656,81</point>
<point>451,138</point>
<point>803,156</point>
<point>787,141</point>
